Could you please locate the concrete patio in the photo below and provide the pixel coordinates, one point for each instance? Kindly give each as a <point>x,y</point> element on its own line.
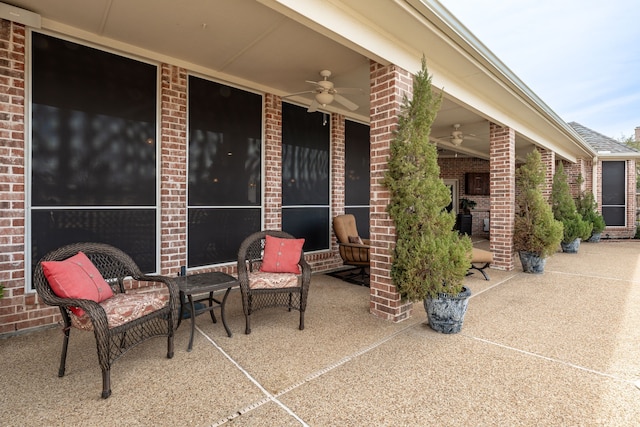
<point>561,348</point>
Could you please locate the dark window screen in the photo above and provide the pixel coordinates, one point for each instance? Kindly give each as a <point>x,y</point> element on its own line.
<point>305,175</point>
<point>305,156</point>
<point>613,193</point>
<point>310,223</point>
<point>215,235</point>
<point>357,160</point>
<point>93,150</point>
<point>225,131</point>
<point>93,127</point>
<point>131,230</point>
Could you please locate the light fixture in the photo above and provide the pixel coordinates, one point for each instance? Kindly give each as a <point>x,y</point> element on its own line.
<point>324,98</point>
<point>456,141</point>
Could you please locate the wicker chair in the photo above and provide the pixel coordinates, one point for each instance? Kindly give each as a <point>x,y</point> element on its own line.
<point>112,342</point>
<point>250,257</point>
<point>352,253</point>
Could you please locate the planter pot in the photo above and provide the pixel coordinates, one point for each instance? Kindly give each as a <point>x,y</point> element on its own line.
<point>446,312</point>
<point>532,263</point>
<point>571,247</point>
<point>595,238</point>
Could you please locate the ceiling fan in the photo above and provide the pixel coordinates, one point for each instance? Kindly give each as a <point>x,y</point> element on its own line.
<point>457,136</point>
<point>326,93</point>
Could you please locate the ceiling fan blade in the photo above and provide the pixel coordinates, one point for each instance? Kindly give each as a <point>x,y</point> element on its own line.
<point>344,101</point>
<point>312,82</point>
<point>313,107</point>
<point>353,90</point>
<point>299,93</point>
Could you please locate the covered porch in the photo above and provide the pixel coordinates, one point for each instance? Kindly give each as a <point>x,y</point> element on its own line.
<point>553,349</point>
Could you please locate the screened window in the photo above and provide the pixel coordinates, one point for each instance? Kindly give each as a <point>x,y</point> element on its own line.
<point>614,193</point>
<point>224,190</point>
<point>305,175</point>
<point>357,159</point>
<point>93,150</point>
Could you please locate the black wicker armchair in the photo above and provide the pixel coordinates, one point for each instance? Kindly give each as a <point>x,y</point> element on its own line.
<point>153,309</point>
<point>256,294</point>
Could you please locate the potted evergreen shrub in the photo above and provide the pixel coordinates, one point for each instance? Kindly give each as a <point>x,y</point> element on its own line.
<point>536,234</point>
<point>430,259</point>
<point>588,208</point>
<point>564,210</point>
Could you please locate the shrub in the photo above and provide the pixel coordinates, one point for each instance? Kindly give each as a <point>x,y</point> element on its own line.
<point>535,229</point>
<point>429,258</point>
<point>564,209</point>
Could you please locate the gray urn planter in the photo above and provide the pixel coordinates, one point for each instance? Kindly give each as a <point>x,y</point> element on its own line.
<point>532,263</point>
<point>595,238</point>
<point>571,247</point>
<point>446,312</point>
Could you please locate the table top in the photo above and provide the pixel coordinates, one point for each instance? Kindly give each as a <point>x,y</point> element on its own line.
<point>205,282</point>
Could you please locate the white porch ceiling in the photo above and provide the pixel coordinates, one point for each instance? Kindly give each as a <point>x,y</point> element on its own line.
<point>268,46</point>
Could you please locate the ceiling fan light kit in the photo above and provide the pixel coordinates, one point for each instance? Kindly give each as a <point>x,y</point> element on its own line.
<point>325,93</point>
<point>324,98</point>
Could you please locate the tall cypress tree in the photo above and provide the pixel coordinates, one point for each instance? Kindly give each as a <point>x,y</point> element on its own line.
<point>429,257</point>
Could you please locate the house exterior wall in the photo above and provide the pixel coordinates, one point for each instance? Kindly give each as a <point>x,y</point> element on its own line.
<point>21,310</point>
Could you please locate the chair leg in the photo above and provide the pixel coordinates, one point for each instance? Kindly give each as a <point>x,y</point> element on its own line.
<point>301,320</point>
<point>170,346</point>
<point>106,383</point>
<point>247,329</point>
<point>65,346</point>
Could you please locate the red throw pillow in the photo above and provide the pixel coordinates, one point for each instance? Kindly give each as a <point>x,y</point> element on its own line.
<point>281,255</point>
<point>76,277</point>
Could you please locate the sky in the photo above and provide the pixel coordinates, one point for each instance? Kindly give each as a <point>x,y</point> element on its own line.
<point>581,57</point>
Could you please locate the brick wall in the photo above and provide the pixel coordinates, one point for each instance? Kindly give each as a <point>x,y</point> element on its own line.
<point>21,311</point>
<point>173,169</point>
<point>502,175</point>
<point>388,85</point>
<point>272,163</point>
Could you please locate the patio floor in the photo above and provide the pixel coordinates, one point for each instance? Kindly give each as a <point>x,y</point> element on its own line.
<point>562,348</point>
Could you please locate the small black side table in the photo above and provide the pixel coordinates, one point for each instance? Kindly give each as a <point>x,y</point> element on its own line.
<point>202,283</point>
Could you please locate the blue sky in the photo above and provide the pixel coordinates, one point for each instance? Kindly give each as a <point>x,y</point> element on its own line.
<point>581,57</point>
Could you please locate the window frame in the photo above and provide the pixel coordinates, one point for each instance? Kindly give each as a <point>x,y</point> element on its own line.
<point>328,121</point>
<point>28,119</point>
<point>261,206</point>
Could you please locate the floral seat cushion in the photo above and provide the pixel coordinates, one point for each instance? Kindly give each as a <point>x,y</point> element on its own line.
<point>265,280</point>
<point>123,308</point>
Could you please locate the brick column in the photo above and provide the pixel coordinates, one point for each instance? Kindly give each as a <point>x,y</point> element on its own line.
<point>173,168</point>
<point>272,162</point>
<point>338,159</point>
<point>548,160</point>
<point>388,85</point>
<point>18,310</point>
<point>503,195</point>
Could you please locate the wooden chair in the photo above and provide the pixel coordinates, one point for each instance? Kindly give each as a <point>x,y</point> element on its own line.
<point>151,311</point>
<point>264,289</point>
<point>354,251</point>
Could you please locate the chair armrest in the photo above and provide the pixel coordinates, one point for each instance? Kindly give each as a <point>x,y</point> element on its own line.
<point>173,288</point>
